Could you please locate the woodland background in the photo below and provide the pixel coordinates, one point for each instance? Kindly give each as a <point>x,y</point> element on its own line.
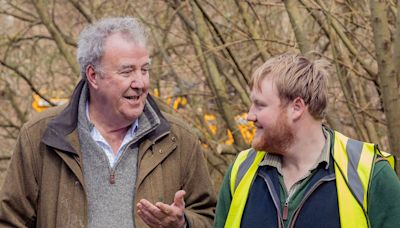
<point>203,54</point>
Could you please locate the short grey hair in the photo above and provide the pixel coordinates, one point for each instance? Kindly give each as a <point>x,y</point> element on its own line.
<point>92,39</point>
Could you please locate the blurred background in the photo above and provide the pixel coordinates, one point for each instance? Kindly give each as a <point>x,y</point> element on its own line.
<point>203,54</point>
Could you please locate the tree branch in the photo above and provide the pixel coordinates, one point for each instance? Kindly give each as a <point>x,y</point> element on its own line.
<point>26,79</point>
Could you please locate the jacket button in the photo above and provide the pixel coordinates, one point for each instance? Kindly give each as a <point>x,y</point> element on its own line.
<point>160,151</point>
<point>76,183</point>
<point>173,139</point>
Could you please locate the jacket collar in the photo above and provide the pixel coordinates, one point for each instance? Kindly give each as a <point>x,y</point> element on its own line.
<point>59,130</point>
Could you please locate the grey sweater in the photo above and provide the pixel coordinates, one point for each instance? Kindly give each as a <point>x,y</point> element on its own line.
<point>110,190</point>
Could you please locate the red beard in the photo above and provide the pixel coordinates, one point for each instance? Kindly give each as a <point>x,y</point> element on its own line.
<point>277,139</point>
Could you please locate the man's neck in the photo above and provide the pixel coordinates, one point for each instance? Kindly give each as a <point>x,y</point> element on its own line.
<point>303,153</point>
<point>113,132</point>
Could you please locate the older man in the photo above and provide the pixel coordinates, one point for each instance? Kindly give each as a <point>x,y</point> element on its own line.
<point>110,158</point>
<point>300,173</point>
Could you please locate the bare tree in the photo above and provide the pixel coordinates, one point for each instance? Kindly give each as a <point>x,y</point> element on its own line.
<point>204,52</point>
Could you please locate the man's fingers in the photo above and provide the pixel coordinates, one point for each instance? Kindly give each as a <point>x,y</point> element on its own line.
<point>179,200</point>
<point>167,209</point>
<point>147,218</point>
<point>149,209</point>
<point>161,214</point>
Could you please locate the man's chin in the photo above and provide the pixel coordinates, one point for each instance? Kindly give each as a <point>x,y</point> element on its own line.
<point>132,116</point>
<point>259,146</point>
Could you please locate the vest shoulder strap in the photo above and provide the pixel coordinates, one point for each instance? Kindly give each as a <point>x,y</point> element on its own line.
<point>242,175</point>
<point>386,156</point>
<point>354,162</point>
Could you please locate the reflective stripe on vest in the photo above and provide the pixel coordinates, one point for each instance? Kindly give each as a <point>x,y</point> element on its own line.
<point>353,165</point>
<point>354,161</point>
<point>242,175</point>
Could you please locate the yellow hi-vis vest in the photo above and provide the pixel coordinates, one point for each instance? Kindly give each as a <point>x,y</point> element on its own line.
<point>354,162</point>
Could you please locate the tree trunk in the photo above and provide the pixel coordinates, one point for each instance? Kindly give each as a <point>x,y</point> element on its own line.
<point>387,73</point>
<point>41,10</point>
<point>222,98</point>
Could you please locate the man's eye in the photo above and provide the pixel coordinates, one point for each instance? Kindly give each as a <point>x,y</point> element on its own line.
<point>126,73</point>
<point>145,70</point>
<point>258,105</point>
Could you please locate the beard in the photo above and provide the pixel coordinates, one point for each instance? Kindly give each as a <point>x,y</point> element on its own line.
<point>277,139</point>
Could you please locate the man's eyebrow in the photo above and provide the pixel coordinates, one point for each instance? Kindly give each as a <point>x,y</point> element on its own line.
<point>253,98</point>
<point>126,66</point>
<point>130,66</point>
<point>257,101</point>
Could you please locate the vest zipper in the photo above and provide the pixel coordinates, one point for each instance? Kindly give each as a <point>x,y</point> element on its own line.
<point>274,199</point>
<point>315,186</point>
<point>285,211</point>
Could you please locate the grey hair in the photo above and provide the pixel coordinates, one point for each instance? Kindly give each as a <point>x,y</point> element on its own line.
<point>92,39</point>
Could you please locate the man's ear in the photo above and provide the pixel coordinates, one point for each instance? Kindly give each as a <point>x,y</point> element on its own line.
<point>92,76</point>
<point>298,107</point>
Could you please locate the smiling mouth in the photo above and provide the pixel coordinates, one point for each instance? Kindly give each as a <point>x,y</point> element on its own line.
<point>133,98</point>
<point>257,127</point>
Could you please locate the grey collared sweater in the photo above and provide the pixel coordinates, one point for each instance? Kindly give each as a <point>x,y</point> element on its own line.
<point>111,190</point>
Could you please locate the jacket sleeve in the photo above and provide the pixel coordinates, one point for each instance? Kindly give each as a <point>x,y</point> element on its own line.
<point>19,192</point>
<point>224,202</point>
<point>200,197</point>
<point>384,197</point>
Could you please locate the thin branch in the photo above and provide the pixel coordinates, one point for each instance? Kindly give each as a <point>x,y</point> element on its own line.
<point>18,16</point>
<point>222,40</point>
<point>347,42</point>
<point>89,18</point>
<point>30,38</point>
<point>23,11</point>
<point>58,39</point>
<point>26,79</point>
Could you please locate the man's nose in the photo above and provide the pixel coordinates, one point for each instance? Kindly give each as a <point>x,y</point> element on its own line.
<point>138,80</point>
<point>251,117</point>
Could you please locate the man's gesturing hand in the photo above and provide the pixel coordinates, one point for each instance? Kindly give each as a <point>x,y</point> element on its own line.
<point>161,214</point>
